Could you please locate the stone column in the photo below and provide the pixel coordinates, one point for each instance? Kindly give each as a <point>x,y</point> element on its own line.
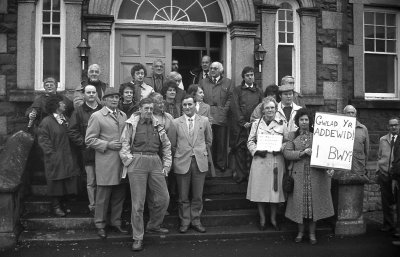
<point>348,197</point>
<point>98,28</point>
<point>73,21</point>
<point>26,44</point>
<point>242,36</point>
<point>308,50</point>
<point>268,33</point>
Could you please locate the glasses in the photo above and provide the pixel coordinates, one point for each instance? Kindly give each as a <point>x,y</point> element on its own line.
<point>213,68</point>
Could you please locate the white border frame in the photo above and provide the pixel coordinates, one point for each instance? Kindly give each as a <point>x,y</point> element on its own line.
<point>296,44</point>
<point>383,96</point>
<point>154,25</point>
<point>39,46</point>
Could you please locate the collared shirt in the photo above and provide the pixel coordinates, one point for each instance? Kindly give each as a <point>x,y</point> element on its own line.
<point>205,74</point>
<point>94,107</point>
<point>197,106</point>
<point>111,111</point>
<point>215,80</point>
<point>247,86</point>
<point>187,120</point>
<point>146,137</point>
<point>60,118</point>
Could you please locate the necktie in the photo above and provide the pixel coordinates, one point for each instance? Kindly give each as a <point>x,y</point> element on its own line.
<point>391,151</point>
<point>158,83</point>
<point>205,75</point>
<point>215,80</point>
<point>190,127</point>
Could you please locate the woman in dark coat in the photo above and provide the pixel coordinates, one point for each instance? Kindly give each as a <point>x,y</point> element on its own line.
<point>311,198</point>
<point>61,168</point>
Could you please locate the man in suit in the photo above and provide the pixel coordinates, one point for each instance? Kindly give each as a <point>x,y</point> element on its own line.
<point>157,79</point>
<point>218,93</point>
<point>103,134</point>
<point>204,72</point>
<point>193,136</point>
<point>385,158</point>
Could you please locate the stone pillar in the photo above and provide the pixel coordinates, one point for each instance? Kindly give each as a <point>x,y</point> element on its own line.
<point>308,50</point>
<point>98,28</point>
<point>12,167</point>
<point>268,33</point>
<point>348,196</point>
<point>26,44</point>
<point>242,36</point>
<point>73,20</point>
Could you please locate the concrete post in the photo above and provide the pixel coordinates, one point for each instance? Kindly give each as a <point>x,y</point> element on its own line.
<point>268,33</point>
<point>348,196</point>
<point>98,28</point>
<point>12,167</point>
<point>242,36</point>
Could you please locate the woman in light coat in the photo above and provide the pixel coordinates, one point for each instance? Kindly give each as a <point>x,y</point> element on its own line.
<point>267,168</point>
<point>311,198</point>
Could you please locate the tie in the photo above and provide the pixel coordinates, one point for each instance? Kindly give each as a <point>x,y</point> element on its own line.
<point>190,127</point>
<point>215,80</point>
<point>158,82</point>
<point>205,75</point>
<point>391,151</point>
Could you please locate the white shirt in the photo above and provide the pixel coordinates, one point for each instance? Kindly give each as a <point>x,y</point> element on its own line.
<point>187,120</point>
<point>60,118</point>
<point>251,86</point>
<point>197,106</point>
<point>111,111</point>
<point>390,137</point>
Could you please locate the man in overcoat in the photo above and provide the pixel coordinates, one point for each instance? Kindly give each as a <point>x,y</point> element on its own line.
<point>103,135</point>
<point>245,98</point>
<point>218,93</point>
<point>193,136</point>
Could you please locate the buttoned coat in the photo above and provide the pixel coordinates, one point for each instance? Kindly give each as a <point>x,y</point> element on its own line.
<point>384,154</point>
<point>187,146</point>
<point>103,128</point>
<point>204,110</point>
<point>218,96</point>
<point>291,126</point>
<point>320,185</point>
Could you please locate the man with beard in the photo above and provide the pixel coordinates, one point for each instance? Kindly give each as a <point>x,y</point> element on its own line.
<point>93,79</point>
<point>144,139</point>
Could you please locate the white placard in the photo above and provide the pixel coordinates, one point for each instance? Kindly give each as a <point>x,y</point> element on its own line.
<point>333,141</point>
<point>268,142</point>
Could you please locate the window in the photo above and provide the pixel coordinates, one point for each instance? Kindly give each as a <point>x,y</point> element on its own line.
<point>381,48</point>
<point>287,42</point>
<point>49,42</point>
<point>171,11</point>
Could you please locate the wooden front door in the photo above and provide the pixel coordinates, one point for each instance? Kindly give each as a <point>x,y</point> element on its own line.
<point>140,46</point>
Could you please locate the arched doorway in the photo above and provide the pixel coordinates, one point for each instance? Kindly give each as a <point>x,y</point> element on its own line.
<point>145,30</point>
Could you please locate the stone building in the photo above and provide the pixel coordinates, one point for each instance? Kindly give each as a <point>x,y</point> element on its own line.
<point>339,51</point>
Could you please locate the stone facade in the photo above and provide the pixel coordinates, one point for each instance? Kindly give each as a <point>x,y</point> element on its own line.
<point>333,51</point>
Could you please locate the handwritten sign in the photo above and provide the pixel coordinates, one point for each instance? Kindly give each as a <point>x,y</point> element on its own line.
<point>268,142</point>
<point>333,141</point>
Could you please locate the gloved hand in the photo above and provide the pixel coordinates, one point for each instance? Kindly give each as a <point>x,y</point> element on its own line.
<point>262,154</point>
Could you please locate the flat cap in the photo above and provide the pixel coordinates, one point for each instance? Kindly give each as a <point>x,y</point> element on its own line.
<point>111,91</point>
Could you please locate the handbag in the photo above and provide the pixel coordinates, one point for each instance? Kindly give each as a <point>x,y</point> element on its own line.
<point>288,181</point>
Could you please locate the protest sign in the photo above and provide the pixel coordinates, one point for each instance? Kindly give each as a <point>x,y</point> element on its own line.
<point>333,141</point>
<point>268,142</point>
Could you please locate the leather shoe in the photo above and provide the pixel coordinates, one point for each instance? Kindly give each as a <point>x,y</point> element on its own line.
<point>276,227</point>
<point>199,228</point>
<point>137,245</point>
<point>261,227</point>
<point>59,212</point>
<point>101,232</point>
<point>159,230</point>
<point>120,230</point>
<point>299,238</point>
<point>183,229</point>
<point>313,239</point>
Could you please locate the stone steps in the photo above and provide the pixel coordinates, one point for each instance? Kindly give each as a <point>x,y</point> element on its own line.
<point>221,232</point>
<point>47,222</point>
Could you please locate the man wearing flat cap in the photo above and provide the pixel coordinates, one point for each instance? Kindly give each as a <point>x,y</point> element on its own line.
<point>103,135</point>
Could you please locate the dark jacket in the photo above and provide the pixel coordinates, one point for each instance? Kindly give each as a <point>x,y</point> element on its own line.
<point>395,169</point>
<point>128,109</point>
<point>77,131</point>
<point>40,105</point>
<point>60,161</point>
<point>218,96</point>
<point>100,89</point>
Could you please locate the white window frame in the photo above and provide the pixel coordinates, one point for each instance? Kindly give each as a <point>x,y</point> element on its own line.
<point>39,47</point>
<point>296,44</point>
<point>384,96</point>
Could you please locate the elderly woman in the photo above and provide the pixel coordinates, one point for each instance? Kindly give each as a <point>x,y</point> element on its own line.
<point>168,91</point>
<point>267,168</point>
<point>271,90</point>
<point>127,102</point>
<point>61,167</point>
<point>311,198</point>
<point>202,108</point>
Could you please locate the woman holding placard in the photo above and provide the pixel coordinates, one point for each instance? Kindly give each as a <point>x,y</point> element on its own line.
<point>311,198</point>
<point>267,167</point>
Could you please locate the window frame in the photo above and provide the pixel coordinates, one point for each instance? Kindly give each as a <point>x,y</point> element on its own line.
<point>383,96</point>
<point>39,46</point>
<point>296,69</point>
